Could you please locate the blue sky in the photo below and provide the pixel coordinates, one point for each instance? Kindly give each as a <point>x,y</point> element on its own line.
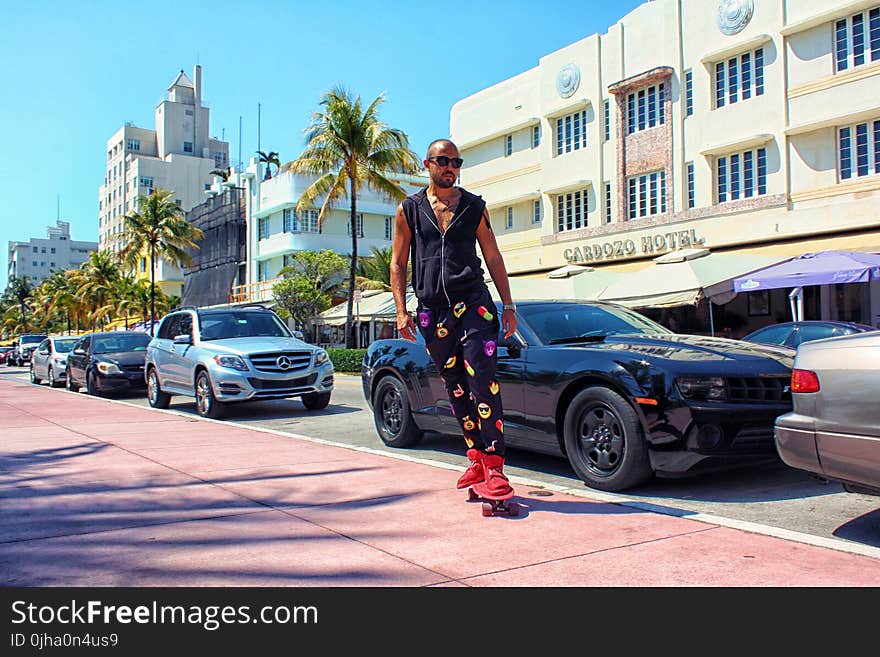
<point>76,71</point>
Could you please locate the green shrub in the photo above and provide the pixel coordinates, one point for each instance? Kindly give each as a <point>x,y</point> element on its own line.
<point>347,360</point>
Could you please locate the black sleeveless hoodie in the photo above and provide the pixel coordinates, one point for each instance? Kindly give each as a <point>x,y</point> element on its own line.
<point>445,267</point>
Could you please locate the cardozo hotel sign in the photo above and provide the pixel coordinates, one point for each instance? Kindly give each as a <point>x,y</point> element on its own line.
<point>624,247</point>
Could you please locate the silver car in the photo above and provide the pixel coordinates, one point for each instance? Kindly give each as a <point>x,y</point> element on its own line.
<point>49,360</point>
<point>834,429</point>
<point>229,355</point>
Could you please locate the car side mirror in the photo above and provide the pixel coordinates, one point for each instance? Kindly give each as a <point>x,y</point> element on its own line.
<point>183,339</point>
<point>79,351</point>
<point>512,344</point>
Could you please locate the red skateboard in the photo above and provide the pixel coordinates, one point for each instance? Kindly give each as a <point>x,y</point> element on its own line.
<point>494,505</point>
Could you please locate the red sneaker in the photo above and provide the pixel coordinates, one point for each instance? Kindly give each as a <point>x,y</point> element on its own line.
<point>497,484</point>
<point>475,472</point>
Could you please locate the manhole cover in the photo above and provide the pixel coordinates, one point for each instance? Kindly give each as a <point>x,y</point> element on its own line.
<point>540,493</point>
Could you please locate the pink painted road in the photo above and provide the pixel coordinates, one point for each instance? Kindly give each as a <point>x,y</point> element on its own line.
<point>95,492</point>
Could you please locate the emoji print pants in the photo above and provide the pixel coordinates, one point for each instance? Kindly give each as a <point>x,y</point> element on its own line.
<point>461,341</point>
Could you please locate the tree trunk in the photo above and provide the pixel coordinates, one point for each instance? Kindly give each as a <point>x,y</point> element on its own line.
<point>152,287</point>
<point>349,328</point>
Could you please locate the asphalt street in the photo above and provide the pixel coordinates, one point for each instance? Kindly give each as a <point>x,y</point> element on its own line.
<point>771,496</point>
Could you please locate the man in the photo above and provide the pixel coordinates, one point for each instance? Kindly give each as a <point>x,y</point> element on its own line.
<point>438,228</point>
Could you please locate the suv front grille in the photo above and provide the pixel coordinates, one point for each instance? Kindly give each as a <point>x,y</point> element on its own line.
<point>273,384</point>
<point>268,362</point>
<point>759,388</point>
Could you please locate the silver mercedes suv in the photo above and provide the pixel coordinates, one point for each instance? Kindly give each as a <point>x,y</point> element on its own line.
<point>223,355</point>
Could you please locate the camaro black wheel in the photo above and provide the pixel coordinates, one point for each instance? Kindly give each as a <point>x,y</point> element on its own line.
<point>604,440</point>
<point>155,396</point>
<point>315,401</point>
<point>34,378</point>
<point>392,415</point>
<point>206,404</point>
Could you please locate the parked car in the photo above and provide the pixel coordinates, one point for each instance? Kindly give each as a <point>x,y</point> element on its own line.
<point>226,355</point>
<point>621,396</point>
<point>49,360</point>
<point>792,334</point>
<point>110,361</point>
<point>4,353</point>
<point>24,345</point>
<point>834,429</point>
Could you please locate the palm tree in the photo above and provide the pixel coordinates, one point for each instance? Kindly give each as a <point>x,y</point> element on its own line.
<point>270,158</point>
<point>223,174</point>
<point>349,148</point>
<point>19,291</point>
<point>158,227</point>
<point>376,268</point>
<point>99,287</point>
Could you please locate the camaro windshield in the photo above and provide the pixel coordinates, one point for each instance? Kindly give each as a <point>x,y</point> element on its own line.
<point>557,322</point>
<point>121,343</point>
<point>219,326</point>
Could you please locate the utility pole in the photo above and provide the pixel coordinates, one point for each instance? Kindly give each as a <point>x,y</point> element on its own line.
<point>258,126</point>
<point>240,164</point>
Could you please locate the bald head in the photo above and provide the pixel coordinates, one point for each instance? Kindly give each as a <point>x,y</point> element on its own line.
<point>440,144</point>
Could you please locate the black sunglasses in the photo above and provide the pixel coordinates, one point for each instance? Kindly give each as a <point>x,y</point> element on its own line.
<point>444,161</point>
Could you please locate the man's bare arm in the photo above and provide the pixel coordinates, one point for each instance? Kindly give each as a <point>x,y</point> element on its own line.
<point>495,264</point>
<point>399,258</point>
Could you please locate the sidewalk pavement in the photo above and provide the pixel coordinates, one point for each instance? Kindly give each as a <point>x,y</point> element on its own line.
<point>95,492</point>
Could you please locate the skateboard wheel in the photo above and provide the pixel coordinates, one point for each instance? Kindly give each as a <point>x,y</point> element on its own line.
<point>487,509</point>
<point>472,495</point>
<point>513,508</point>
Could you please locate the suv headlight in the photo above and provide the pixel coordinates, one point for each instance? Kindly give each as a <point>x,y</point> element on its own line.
<point>108,368</point>
<point>711,388</point>
<point>231,361</point>
<point>321,357</point>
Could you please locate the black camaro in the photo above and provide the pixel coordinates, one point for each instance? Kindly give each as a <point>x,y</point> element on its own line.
<point>620,396</point>
<point>108,362</point>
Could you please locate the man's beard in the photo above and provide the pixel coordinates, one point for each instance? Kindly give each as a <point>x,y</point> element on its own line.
<point>442,182</point>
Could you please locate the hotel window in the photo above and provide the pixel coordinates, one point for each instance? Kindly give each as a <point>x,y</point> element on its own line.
<point>536,136</point>
<point>188,112</point>
<point>389,228</point>
<point>143,265</point>
<point>741,175</point>
<point>52,250</point>
<point>187,147</point>
<point>359,221</point>
<point>606,119</point>
<point>571,210</point>
<point>508,145</point>
<point>306,222</point>
<point>859,150</point>
<point>571,132</point>
<point>508,224</point>
<point>263,228</point>
<point>607,203</point>
<point>688,93</point>
<point>36,249</point>
<point>262,270</point>
<point>857,39</point>
<point>146,181</point>
<point>739,78</point>
<point>134,144</point>
<point>288,219</point>
<point>691,196</point>
<point>536,211</point>
<point>646,108</point>
<point>646,195</point>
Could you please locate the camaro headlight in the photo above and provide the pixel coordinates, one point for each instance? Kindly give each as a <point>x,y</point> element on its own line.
<point>321,357</point>
<point>108,368</point>
<point>231,361</point>
<point>710,388</point>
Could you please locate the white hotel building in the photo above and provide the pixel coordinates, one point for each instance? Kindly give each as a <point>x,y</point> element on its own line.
<point>178,154</point>
<point>741,126</point>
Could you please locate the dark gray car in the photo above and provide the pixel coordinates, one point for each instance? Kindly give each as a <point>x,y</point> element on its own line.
<point>834,429</point>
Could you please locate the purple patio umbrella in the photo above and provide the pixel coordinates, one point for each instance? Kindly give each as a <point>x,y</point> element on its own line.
<point>822,268</point>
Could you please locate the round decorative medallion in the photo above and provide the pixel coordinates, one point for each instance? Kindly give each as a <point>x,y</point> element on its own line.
<point>734,15</point>
<point>567,80</point>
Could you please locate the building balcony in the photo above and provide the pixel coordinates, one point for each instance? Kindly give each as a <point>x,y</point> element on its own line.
<point>259,292</point>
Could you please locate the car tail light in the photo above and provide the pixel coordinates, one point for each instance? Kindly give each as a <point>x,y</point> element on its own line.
<point>804,381</point>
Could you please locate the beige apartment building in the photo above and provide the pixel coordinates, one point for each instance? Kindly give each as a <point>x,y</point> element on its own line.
<point>178,154</point>
<point>738,126</point>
